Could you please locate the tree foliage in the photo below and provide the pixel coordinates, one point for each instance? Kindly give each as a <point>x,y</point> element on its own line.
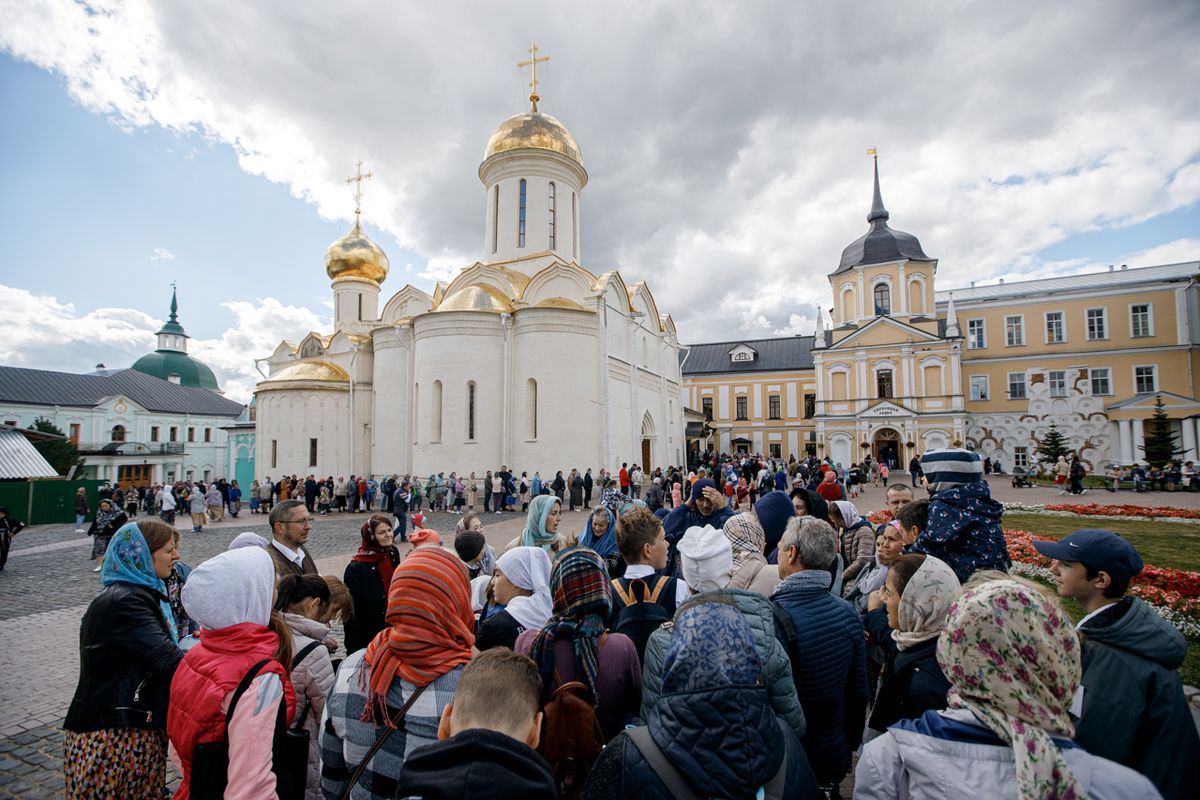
<point>1052,445</point>
<point>1160,443</point>
<point>60,453</point>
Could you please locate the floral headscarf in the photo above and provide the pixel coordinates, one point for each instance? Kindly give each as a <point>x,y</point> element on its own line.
<point>128,560</point>
<point>1012,658</point>
<point>103,518</point>
<point>535,533</point>
<point>712,647</point>
<point>925,603</point>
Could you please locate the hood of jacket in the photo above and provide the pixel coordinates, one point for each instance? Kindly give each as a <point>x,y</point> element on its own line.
<point>972,498</point>
<point>1144,633</point>
<point>303,626</point>
<point>476,763</point>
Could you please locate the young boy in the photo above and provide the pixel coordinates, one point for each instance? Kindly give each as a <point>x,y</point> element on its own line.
<point>913,517</point>
<point>646,597</point>
<point>487,737</point>
<point>1130,704</point>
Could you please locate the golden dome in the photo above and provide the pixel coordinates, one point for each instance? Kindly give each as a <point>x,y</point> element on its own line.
<point>477,297</point>
<point>533,130</point>
<point>356,256</point>
<point>311,371</point>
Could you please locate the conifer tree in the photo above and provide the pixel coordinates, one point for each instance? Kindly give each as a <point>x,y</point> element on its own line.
<point>1053,445</point>
<point>1160,442</point>
<point>59,453</point>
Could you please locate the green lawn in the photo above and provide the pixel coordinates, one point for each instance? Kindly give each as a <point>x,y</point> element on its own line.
<point>1163,544</point>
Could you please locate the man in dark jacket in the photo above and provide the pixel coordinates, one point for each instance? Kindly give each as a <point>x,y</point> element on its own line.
<point>705,506</point>
<point>824,639</point>
<point>1130,705</point>
<point>964,521</point>
<point>486,737</point>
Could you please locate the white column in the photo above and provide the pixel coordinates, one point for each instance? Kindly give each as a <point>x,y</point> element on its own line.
<point>1139,442</point>
<point>1189,440</point>
<point>1126,438</point>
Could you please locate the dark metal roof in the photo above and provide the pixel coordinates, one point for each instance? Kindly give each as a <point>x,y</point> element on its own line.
<point>779,354</point>
<point>45,388</point>
<point>881,243</point>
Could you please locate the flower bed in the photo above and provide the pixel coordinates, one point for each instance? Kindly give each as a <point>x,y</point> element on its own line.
<point>1130,512</point>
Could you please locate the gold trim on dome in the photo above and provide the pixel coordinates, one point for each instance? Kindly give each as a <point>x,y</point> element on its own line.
<point>533,130</point>
<point>562,302</point>
<point>477,297</point>
<point>317,371</point>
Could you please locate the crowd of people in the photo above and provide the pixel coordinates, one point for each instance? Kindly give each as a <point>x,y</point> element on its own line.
<point>745,632</point>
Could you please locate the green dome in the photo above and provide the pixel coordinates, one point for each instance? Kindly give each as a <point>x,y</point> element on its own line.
<point>165,363</point>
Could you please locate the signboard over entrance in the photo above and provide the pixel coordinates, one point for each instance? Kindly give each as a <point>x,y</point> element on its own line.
<point>887,410</point>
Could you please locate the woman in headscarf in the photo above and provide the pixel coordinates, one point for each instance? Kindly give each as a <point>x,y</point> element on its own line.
<point>520,583</point>
<point>114,744</point>
<point>230,596</point>
<point>713,722</point>
<point>541,525</point>
<point>368,576</point>
<point>906,619</point>
<point>750,568</point>
<point>856,540</point>
<point>572,645</point>
<point>1012,657</point>
<point>109,519</point>
<point>416,661</point>
<point>600,534</point>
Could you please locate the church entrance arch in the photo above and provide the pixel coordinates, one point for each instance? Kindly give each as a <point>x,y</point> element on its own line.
<point>647,438</point>
<point>886,447</point>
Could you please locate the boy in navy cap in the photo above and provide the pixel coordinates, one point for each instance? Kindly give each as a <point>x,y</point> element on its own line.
<point>1130,705</point>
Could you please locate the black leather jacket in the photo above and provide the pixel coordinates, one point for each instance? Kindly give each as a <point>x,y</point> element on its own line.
<point>126,661</point>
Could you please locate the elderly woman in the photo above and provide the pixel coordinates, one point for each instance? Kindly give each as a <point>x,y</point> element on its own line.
<point>856,540</point>
<point>114,744</point>
<point>600,534</point>
<point>109,519</point>
<point>1012,657</point>
<point>400,684</point>
<point>368,576</point>
<point>905,618</point>
<point>541,526</point>
<point>750,568</point>
<point>572,645</point>
<point>520,583</point>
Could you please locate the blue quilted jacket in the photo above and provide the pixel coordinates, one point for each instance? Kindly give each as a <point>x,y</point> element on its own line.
<point>964,531</point>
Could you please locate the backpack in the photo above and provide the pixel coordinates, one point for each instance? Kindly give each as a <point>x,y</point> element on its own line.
<point>571,736</point>
<point>641,613</point>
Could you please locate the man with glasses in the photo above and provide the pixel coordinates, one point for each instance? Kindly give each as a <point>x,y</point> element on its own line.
<point>290,523</point>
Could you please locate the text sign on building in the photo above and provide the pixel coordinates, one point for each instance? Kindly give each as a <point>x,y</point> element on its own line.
<point>887,410</point>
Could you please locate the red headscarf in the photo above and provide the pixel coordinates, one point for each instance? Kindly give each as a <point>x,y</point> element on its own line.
<point>431,625</point>
<point>372,553</point>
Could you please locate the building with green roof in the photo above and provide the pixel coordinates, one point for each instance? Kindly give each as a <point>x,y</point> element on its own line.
<point>171,361</point>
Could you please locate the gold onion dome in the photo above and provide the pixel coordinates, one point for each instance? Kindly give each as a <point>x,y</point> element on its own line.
<point>356,256</point>
<point>477,297</point>
<point>533,130</point>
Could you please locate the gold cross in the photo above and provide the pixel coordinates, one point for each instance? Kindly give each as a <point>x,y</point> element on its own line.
<point>871,151</point>
<point>533,61</point>
<point>357,178</point>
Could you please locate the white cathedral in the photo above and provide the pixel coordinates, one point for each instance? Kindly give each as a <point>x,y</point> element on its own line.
<point>525,359</point>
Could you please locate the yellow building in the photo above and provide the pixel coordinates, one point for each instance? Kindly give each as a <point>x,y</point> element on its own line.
<point>906,368</point>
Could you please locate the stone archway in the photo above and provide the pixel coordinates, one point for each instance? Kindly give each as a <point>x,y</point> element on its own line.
<point>647,440</point>
<point>886,447</point>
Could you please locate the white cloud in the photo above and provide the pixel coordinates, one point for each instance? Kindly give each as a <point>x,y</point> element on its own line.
<point>162,254</point>
<point>54,337</point>
<point>724,147</point>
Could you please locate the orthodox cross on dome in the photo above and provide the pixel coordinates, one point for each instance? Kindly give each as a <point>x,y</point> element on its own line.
<point>878,213</point>
<point>533,61</point>
<point>357,178</point>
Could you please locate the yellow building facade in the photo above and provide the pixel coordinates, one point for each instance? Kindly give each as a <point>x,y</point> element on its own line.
<point>905,368</point>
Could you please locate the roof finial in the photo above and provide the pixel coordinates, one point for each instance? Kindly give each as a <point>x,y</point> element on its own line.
<point>357,178</point>
<point>533,61</point>
<point>878,212</point>
<point>174,305</point>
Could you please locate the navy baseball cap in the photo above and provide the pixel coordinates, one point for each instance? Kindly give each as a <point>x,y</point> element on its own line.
<point>1097,550</point>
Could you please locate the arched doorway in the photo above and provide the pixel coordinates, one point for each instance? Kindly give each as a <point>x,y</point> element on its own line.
<point>886,447</point>
<point>647,437</point>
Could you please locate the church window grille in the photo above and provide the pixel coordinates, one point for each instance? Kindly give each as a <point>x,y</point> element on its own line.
<point>435,410</point>
<point>118,433</point>
<point>883,383</point>
<point>1058,383</point>
<point>312,452</point>
<point>531,409</point>
<point>553,213</point>
<point>521,216</point>
<point>883,300</point>
<point>471,410</point>
<point>496,219</point>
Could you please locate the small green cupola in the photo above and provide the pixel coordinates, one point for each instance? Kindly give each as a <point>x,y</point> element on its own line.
<point>171,361</point>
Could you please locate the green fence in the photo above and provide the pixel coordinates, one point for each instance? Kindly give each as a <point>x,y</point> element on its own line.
<point>47,502</point>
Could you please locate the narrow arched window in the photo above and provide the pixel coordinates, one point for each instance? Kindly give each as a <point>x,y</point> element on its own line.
<point>118,433</point>
<point>883,300</point>
<point>521,216</point>
<point>470,410</point>
<point>531,409</point>
<point>435,410</point>
<point>551,201</point>
<point>496,219</point>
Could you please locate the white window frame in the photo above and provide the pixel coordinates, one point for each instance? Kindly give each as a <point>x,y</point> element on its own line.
<point>1107,380</point>
<point>1062,326</point>
<point>1087,328</point>
<point>1020,319</point>
<point>1024,386</point>
<point>1020,457</point>
<point>985,395</point>
<point>1153,372</point>
<point>1149,321</point>
<point>1050,373</point>
<point>983,337</point>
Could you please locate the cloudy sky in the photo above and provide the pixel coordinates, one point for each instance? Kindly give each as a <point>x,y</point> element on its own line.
<point>206,143</point>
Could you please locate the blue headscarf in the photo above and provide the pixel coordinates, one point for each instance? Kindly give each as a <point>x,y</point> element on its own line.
<point>535,533</point>
<point>606,544</point>
<point>128,560</point>
<point>711,647</point>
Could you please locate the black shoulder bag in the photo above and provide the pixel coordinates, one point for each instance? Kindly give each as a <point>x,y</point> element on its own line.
<point>289,754</point>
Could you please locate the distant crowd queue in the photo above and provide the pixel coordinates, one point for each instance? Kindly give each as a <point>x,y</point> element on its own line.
<point>735,629</point>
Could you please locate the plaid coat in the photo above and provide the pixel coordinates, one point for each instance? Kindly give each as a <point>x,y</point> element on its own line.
<point>345,738</point>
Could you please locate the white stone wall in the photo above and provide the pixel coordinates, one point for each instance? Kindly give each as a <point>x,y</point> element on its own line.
<point>506,171</point>
<point>291,417</point>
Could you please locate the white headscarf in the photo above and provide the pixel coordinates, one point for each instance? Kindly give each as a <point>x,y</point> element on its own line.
<point>528,568</point>
<point>849,513</point>
<point>247,539</point>
<point>925,603</point>
<point>707,558</point>
<point>230,588</point>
